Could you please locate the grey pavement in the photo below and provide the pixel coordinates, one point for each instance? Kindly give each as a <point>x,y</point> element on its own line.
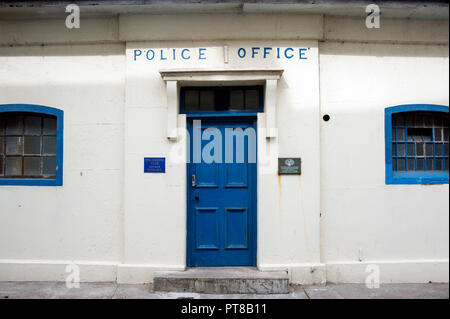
<point>58,290</point>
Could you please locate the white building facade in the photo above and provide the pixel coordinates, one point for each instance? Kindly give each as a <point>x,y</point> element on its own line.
<point>330,92</point>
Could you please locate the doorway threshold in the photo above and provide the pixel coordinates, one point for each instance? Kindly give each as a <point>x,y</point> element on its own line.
<point>223,280</point>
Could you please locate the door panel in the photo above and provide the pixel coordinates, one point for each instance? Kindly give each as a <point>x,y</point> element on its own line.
<point>222,203</point>
<point>236,175</point>
<point>236,228</point>
<point>207,228</point>
<point>207,175</point>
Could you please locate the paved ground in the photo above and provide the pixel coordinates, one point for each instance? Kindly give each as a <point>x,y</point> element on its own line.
<point>52,290</point>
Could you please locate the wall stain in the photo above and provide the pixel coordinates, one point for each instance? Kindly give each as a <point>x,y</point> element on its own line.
<point>280,208</point>
<point>302,211</point>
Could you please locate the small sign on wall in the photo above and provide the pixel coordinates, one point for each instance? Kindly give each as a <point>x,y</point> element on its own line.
<point>289,166</point>
<point>154,165</point>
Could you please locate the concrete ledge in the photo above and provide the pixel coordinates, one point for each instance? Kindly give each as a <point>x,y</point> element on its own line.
<point>302,274</point>
<point>141,273</point>
<point>223,280</point>
<point>308,274</point>
<point>55,270</point>
<point>396,271</point>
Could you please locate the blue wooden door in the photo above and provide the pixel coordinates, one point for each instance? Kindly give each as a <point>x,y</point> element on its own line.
<point>222,194</point>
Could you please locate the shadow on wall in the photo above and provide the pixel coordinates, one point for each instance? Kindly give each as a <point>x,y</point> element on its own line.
<point>94,49</point>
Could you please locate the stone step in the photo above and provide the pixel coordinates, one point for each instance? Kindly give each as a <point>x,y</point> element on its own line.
<point>222,280</point>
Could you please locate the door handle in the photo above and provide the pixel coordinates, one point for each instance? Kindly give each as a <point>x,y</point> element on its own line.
<point>197,197</point>
<point>193,180</point>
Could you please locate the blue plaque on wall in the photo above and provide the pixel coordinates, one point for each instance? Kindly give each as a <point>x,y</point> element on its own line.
<point>154,165</point>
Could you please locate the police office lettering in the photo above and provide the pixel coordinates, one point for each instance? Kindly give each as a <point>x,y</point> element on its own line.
<point>241,53</point>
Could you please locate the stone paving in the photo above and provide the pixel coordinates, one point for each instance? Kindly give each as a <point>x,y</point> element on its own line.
<point>58,290</point>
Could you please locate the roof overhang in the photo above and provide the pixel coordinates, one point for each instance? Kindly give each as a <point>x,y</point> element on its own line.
<point>434,9</point>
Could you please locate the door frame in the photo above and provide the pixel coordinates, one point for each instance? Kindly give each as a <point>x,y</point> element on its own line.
<point>223,117</point>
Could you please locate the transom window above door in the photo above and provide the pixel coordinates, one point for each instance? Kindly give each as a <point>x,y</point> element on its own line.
<point>221,99</point>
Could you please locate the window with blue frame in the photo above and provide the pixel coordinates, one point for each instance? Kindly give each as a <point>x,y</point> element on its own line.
<point>229,99</point>
<point>31,145</point>
<point>417,144</point>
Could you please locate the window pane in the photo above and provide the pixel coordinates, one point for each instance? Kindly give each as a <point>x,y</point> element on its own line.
<point>13,166</point>
<point>446,149</point>
<point>410,119</point>
<point>446,164</point>
<point>427,138</point>
<point>399,120</point>
<point>439,164</point>
<point>49,145</point>
<point>429,164</point>
<point>446,134</point>
<point>32,166</point>
<point>49,126</point>
<point>32,145</point>
<point>2,126</point>
<point>207,100</point>
<point>419,134</point>
<point>420,164</point>
<point>401,164</point>
<point>438,134</point>
<point>222,100</point>
<point>400,134</point>
<point>394,164</point>
<point>420,149</point>
<point>14,125</point>
<point>1,146</point>
<point>14,145</point>
<point>438,120</point>
<point>394,149</point>
<point>411,164</point>
<point>429,149</point>
<point>419,121</point>
<point>1,165</point>
<point>401,149</point>
<point>191,100</point>
<point>237,100</point>
<point>410,149</point>
<point>438,149</point>
<point>33,125</point>
<point>428,120</point>
<point>49,166</point>
<point>251,99</point>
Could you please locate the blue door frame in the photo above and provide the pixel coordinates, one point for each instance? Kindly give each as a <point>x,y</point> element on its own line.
<point>221,216</point>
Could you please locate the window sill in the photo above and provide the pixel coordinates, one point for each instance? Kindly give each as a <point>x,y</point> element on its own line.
<point>418,178</point>
<point>30,182</point>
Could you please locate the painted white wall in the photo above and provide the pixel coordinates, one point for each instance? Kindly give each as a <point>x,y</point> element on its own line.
<point>121,224</point>
<point>81,220</point>
<point>407,31</point>
<point>387,223</point>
